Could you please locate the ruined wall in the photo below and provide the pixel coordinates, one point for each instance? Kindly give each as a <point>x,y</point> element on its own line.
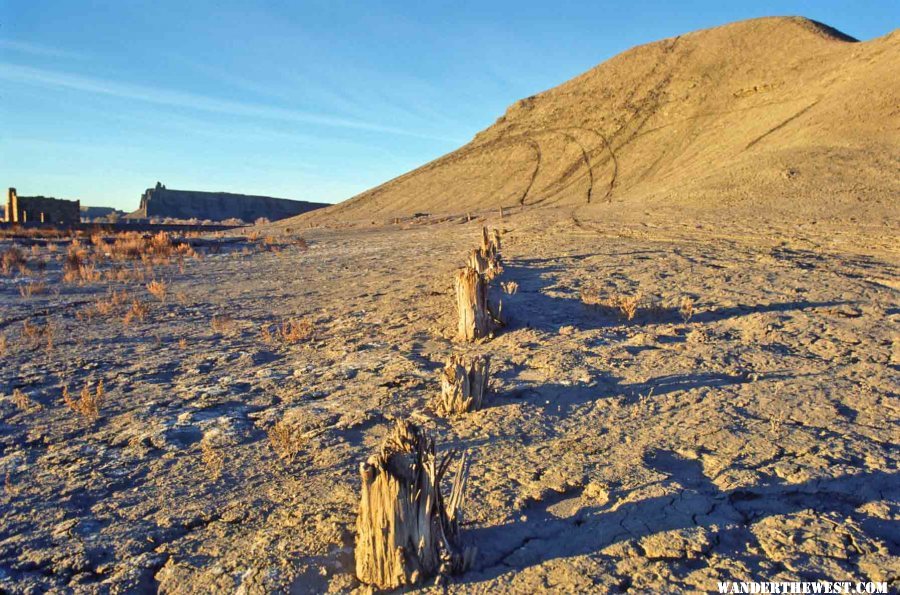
<point>217,206</point>
<point>41,209</point>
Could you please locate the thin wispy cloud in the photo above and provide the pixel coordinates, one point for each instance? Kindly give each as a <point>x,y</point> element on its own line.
<point>35,49</point>
<point>30,75</point>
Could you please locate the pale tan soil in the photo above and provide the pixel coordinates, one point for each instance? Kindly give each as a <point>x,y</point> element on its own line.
<point>751,168</point>
<point>756,441</point>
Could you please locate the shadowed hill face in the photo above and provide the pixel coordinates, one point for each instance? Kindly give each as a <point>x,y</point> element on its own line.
<point>774,110</point>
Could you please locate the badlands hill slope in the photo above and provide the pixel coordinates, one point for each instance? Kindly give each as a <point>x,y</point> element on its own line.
<point>781,112</point>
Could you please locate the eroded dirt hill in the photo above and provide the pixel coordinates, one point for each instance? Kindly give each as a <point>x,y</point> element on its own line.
<point>782,112</point>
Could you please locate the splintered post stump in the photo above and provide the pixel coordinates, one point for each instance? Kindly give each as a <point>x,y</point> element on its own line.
<point>489,253</point>
<point>486,242</point>
<point>495,241</point>
<point>406,530</point>
<point>463,384</point>
<point>475,320</point>
<point>478,261</point>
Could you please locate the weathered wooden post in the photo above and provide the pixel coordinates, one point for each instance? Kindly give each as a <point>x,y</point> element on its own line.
<point>478,261</point>
<point>475,321</point>
<point>406,530</point>
<point>463,384</point>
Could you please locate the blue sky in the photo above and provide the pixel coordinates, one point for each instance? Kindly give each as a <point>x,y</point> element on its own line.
<point>314,100</point>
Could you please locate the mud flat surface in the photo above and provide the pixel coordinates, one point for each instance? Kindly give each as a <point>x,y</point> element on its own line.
<point>756,440</point>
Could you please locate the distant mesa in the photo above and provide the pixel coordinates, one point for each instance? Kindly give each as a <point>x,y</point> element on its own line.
<point>162,202</point>
<point>100,214</point>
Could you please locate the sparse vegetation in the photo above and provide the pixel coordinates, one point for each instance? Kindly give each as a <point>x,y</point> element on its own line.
<point>88,402</point>
<point>38,334</point>
<point>626,305</point>
<point>13,259</point>
<point>686,308</point>
<point>138,311</point>
<point>221,324</point>
<point>211,452</point>
<point>285,441</point>
<point>158,289</point>
<point>623,306</point>
<point>26,290</point>
<point>288,331</point>
<point>21,400</point>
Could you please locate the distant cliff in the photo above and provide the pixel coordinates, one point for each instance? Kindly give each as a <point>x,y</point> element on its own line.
<point>217,206</point>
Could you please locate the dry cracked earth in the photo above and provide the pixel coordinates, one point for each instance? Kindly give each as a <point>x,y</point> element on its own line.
<point>756,440</point>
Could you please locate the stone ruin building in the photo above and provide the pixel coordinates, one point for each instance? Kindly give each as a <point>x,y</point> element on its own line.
<point>41,209</point>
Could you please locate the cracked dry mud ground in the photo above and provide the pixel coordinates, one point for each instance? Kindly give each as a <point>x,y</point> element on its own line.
<point>758,440</point>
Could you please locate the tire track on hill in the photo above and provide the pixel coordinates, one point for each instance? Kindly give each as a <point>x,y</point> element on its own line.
<point>782,125</point>
<point>537,167</point>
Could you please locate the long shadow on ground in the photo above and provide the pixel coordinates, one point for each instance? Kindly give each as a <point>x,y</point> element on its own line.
<point>696,502</point>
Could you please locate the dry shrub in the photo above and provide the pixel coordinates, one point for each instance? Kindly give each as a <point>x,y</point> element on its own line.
<point>21,400</point>
<point>38,334</point>
<point>182,343</point>
<point>156,248</point>
<point>4,344</point>
<point>221,324</point>
<point>301,243</point>
<point>75,256</point>
<point>86,273</point>
<point>253,236</point>
<point>158,289</point>
<point>211,451</point>
<point>128,246</point>
<point>509,287</point>
<point>88,403</point>
<point>293,330</point>
<point>686,309</point>
<point>32,331</point>
<point>138,311</point>
<point>285,441</point>
<point>161,243</point>
<point>105,306</point>
<point>32,288</point>
<point>624,306</point>
<point>13,259</point>
<point>52,247</point>
<point>289,331</point>
<point>76,267</point>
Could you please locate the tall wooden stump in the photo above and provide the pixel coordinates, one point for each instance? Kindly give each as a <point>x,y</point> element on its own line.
<point>478,261</point>
<point>487,243</point>
<point>475,321</point>
<point>489,253</point>
<point>463,384</point>
<point>406,530</point>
